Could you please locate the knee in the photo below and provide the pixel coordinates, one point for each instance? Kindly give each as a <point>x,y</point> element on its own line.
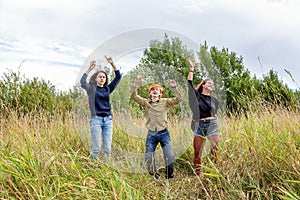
<point>148,155</point>
<point>169,156</point>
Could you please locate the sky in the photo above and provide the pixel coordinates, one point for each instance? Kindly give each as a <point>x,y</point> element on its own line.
<point>53,39</point>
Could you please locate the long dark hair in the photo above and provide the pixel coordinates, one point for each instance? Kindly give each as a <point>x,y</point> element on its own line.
<point>94,76</point>
<point>199,87</point>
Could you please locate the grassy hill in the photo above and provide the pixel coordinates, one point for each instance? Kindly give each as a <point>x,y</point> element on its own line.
<point>42,158</point>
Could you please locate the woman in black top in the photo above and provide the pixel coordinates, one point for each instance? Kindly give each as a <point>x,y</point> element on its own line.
<point>204,124</point>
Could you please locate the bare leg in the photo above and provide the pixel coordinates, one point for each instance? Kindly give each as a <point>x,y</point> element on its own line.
<point>215,139</point>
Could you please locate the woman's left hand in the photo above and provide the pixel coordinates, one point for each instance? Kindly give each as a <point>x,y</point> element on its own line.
<point>109,59</point>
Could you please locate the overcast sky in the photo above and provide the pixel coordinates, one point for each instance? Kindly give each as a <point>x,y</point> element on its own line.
<point>54,38</point>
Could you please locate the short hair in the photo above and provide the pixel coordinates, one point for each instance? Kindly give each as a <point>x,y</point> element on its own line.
<point>155,86</point>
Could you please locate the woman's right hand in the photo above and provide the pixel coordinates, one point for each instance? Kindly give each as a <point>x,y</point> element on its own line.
<point>92,64</point>
<point>91,67</point>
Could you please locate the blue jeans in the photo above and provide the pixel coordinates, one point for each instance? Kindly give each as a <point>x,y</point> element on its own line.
<point>162,137</point>
<point>101,131</point>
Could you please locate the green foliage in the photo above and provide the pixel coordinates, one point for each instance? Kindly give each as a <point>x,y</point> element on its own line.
<point>235,88</point>
<point>297,94</point>
<point>121,95</point>
<point>46,159</point>
<point>273,90</point>
<point>167,59</point>
<point>162,62</point>
<point>242,91</point>
<point>239,86</point>
<point>23,96</point>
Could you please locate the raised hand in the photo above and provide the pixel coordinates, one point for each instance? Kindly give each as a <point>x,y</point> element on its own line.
<point>138,79</point>
<point>192,64</point>
<point>109,59</point>
<point>92,66</point>
<point>172,83</point>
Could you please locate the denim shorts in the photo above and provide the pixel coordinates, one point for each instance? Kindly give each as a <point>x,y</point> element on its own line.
<point>207,128</point>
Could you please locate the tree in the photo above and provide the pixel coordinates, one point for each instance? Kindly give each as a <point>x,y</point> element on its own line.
<point>23,96</point>
<point>167,59</point>
<point>274,91</point>
<point>237,91</point>
<point>162,61</point>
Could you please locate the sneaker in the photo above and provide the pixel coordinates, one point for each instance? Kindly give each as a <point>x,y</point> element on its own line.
<point>155,175</point>
<point>168,177</point>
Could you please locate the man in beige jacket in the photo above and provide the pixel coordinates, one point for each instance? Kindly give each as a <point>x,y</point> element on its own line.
<point>156,109</point>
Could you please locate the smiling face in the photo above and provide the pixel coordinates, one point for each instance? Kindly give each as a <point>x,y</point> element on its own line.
<point>155,91</point>
<point>209,85</point>
<point>101,79</point>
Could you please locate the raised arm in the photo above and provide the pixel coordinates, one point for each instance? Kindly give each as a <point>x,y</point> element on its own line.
<point>91,67</point>
<point>178,97</point>
<point>110,60</point>
<point>192,67</point>
<point>137,98</point>
<point>83,81</point>
<point>113,84</point>
<point>192,93</point>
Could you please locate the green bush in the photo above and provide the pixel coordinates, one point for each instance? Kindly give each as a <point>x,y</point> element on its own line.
<point>23,96</point>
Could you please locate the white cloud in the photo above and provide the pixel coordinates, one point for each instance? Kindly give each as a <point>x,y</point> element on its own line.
<point>57,62</point>
<point>66,32</point>
<point>186,6</point>
<point>64,78</point>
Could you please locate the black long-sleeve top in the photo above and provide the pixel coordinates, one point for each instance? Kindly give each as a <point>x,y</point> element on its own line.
<point>202,106</point>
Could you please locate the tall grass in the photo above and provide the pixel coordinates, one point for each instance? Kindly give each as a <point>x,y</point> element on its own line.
<point>44,158</point>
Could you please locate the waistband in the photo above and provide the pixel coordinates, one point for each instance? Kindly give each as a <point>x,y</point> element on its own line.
<point>103,115</point>
<point>208,118</point>
<point>158,131</point>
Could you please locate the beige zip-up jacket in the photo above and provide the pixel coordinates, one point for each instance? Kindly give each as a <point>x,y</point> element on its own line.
<point>156,112</point>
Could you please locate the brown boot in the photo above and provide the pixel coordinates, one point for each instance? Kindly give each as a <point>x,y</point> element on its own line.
<point>197,166</point>
<point>198,147</point>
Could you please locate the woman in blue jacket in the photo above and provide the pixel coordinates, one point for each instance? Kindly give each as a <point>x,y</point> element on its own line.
<point>99,91</point>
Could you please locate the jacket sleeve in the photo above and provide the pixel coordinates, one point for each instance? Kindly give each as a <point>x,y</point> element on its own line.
<point>194,105</point>
<point>84,84</point>
<point>177,99</point>
<point>113,84</point>
<point>193,100</point>
<point>137,98</point>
